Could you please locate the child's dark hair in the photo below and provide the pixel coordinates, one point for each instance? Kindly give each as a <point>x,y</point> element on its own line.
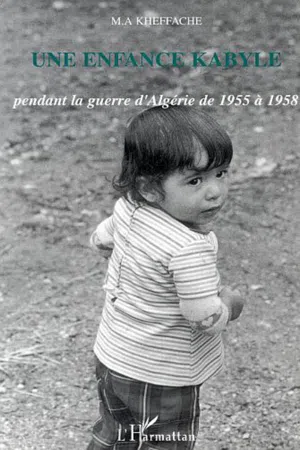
<point>159,141</point>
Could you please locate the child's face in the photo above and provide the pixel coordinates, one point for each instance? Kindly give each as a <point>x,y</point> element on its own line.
<point>195,197</point>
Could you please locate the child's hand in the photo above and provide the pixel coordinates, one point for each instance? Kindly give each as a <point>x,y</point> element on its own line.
<point>96,244</point>
<point>233,300</point>
<point>105,252</point>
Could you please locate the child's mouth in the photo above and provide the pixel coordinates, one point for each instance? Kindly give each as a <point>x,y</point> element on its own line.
<point>211,211</point>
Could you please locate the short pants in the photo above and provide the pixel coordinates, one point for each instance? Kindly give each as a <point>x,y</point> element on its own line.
<point>135,415</point>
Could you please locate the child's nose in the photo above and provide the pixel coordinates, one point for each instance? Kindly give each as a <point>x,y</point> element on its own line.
<point>213,191</point>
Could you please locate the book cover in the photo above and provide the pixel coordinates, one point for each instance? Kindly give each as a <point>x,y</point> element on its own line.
<point>72,74</point>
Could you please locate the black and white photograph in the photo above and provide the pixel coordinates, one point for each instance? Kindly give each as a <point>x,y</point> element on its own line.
<point>149,225</point>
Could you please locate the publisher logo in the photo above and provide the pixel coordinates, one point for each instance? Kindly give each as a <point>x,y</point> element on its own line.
<point>141,433</point>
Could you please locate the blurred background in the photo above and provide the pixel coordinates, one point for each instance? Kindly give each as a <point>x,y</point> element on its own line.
<point>56,167</point>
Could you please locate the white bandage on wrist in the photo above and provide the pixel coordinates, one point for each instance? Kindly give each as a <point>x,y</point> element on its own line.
<point>215,323</point>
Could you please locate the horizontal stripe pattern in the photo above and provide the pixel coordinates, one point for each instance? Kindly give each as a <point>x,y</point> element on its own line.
<point>156,263</point>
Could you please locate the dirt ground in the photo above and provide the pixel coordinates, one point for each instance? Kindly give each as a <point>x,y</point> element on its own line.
<point>56,167</point>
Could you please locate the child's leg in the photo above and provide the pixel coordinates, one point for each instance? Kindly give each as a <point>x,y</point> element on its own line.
<point>112,413</point>
<point>141,416</point>
<point>105,430</point>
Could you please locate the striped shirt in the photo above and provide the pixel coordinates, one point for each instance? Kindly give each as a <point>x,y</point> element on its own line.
<point>156,263</point>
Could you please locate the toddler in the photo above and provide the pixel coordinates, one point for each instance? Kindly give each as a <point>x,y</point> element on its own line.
<point>160,336</point>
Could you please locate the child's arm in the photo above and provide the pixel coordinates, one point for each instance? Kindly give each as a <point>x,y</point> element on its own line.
<point>217,321</point>
<point>102,238</point>
<point>210,315</point>
<point>233,300</point>
<point>196,280</point>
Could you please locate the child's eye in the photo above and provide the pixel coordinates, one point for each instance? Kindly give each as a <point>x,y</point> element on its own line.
<point>196,181</point>
<point>222,173</point>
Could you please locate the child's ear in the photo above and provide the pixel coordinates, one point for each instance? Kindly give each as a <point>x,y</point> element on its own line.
<point>147,190</point>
